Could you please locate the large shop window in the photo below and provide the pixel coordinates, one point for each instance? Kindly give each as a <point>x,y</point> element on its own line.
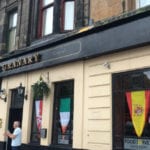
<point>142,3</point>
<point>131,110</point>
<point>11,41</point>
<point>63,114</point>
<point>69,14</point>
<point>46,17</point>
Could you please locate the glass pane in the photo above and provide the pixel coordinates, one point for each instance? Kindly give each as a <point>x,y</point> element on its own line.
<point>48,21</point>
<point>47,2</point>
<point>69,16</point>
<point>13,20</point>
<point>147,79</point>
<point>12,37</point>
<point>36,121</point>
<point>142,3</point>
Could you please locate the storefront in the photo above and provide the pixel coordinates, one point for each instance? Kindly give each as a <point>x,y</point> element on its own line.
<point>88,74</point>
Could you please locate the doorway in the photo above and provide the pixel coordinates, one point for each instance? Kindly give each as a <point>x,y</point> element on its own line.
<point>15,112</point>
<point>63,114</point>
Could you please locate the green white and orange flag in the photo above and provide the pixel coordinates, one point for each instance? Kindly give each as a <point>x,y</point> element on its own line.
<point>138,103</point>
<point>64,113</point>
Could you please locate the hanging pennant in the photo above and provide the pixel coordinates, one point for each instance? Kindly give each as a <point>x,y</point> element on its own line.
<point>138,103</point>
<point>38,109</point>
<point>64,113</point>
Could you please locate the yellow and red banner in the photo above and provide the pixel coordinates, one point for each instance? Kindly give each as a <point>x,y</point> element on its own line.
<point>138,103</point>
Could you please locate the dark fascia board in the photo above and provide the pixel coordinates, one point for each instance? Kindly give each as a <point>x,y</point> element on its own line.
<point>99,26</point>
<point>92,43</point>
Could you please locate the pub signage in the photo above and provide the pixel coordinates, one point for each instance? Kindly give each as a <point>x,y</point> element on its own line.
<point>21,62</point>
<point>136,144</point>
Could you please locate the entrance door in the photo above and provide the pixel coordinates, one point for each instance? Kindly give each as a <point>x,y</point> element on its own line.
<point>63,114</point>
<point>15,112</point>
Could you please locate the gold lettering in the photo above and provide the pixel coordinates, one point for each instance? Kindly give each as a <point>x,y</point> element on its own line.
<point>4,68</point>
<point>30,60</point>
<point>37,57</point>
<point>21,62</point>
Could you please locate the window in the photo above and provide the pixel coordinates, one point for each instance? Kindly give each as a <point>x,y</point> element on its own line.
<point>11,43</point>
<point>69,12</point>
<point>131,94</point>
<point>142,3</point>
<point>57,16</point>
<point>46,17</point>
<point>36,121</point>
<point>63,114</point>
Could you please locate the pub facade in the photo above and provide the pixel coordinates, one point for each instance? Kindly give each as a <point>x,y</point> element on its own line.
<point>96,75</point>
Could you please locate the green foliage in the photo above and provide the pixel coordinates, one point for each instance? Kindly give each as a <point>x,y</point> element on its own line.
<point>40,89</point>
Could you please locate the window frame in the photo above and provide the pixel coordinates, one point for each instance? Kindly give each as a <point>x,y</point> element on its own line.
<point>55,125</point>
<point>41,14</point>
<point>122,83</point>
<point>63,15</point>
<point>34,123</point>
<point>13,28</point>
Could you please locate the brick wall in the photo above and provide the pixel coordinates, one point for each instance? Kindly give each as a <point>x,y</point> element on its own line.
<point>102,9</point>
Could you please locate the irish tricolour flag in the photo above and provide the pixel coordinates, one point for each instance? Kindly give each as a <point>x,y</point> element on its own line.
<point>64,113</point>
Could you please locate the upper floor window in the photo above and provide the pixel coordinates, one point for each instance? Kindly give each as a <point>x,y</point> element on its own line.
<point>12,30</point>
<point>142,3</point>
<point>69,15</point>
<point>46,17</point>
<point>56,16</point>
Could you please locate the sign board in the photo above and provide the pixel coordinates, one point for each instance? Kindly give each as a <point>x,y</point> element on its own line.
<point>136,144</point>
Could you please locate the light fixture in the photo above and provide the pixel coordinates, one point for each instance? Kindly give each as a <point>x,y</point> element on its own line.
<point>3,95</point>
<point>20,90</point>
<point>106,65</point>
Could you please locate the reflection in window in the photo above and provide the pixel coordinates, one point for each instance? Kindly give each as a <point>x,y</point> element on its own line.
<point>69,15</point>
<point>142,3</point>
<point>47,2</point>
<point>12,31</point>
<point>36,121</point>
<point>46,17</point>
<point>47,21</point>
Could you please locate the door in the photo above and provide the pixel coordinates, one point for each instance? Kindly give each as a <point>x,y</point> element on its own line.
<point>15,112</point>
<point>63,114</point>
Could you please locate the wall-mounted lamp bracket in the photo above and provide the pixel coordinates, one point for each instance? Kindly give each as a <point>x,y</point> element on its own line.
<point>3,95</point>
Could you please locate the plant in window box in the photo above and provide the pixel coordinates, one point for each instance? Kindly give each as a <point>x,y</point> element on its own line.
<point>40,89</point>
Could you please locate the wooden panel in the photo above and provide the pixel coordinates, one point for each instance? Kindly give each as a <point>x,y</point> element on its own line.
<point>97,70</point>
<point>99,91</point>
<point>99,113</point>
<point>99,125</point>
<point>99,80</point>
<point>99,137</point>
<point>97,102</point>
<point>93,146</point>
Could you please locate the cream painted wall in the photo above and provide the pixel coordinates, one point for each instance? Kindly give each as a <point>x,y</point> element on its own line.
<point>72,71</point>
<point>98,94</point>
<point>92,126</point>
